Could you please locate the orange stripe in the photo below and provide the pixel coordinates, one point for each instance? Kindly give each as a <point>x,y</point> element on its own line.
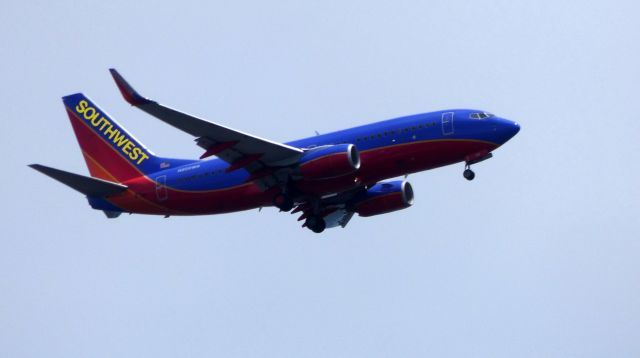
<point>150,179</point>
<point>108,144</point>
<point>130,192</point>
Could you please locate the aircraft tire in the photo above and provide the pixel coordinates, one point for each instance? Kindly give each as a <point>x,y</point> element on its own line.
<point>468,174</point>
<point>316,224</point>
<point>283,202</point>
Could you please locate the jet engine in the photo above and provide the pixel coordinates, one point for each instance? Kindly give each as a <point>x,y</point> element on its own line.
<point>329,162</point>
<point>383,198</point>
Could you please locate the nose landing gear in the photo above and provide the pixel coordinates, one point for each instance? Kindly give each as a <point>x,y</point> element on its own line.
<point>468,173</point>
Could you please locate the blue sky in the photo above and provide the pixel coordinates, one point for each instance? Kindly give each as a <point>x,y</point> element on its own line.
<point>536,257</point>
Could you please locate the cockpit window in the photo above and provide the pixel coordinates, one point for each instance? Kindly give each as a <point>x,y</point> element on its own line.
<point>481,115</point>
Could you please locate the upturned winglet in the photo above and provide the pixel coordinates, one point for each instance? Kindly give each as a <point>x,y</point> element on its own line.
<point>130,95</point>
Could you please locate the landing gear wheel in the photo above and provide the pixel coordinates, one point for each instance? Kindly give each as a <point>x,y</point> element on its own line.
<point>283,202</point>
<point>316,224</point>
<point>468,174</point>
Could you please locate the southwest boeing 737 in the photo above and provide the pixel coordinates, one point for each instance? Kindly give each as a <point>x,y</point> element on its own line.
<point>326,178</point>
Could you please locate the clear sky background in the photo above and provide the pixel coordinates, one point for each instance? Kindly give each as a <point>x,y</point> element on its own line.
<point>538,257</point>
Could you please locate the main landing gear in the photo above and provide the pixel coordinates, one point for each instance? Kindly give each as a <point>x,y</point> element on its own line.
<point>283,202</point>
<point>316,224</point>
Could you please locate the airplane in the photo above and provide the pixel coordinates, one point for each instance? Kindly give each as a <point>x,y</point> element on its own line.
<point>327,178</point>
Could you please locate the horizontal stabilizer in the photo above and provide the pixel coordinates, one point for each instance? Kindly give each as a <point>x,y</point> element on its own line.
<point>88,186</point>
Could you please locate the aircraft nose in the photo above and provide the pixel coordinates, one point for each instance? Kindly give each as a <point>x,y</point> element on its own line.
<point>515,128</point>
<point>506,129</point>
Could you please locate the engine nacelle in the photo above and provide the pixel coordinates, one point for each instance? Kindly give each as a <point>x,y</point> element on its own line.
<point>384,198</point>
<point>329,162</point>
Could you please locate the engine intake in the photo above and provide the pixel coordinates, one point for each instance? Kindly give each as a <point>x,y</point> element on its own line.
<point>383,198</point>
<point>329,162</point>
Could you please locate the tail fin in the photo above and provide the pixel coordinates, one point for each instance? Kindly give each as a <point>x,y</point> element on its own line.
<point>110,151</point>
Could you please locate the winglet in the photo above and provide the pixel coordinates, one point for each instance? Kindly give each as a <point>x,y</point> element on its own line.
<point>130,95</point>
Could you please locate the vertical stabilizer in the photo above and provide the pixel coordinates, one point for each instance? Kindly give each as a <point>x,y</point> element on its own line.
<point>110,151</point>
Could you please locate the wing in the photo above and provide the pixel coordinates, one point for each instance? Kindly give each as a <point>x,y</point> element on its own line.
<point>239,149</point>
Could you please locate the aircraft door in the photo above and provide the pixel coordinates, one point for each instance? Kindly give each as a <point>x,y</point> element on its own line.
<point>161,189</point>
<point>447,123</point>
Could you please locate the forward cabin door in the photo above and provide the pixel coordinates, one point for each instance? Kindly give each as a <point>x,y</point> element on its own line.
<point>161,188</point>
<point>447,123</point>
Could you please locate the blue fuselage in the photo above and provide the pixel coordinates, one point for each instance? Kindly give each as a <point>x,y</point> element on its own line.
<point>450,125</point>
